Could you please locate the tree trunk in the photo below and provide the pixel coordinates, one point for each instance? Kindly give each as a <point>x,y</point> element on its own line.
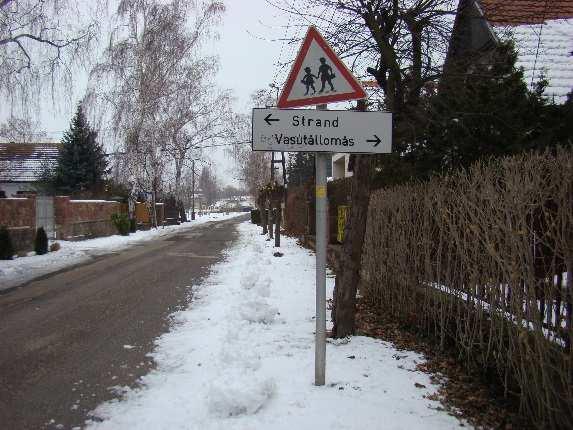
<point>271,220</point>
<point>344,307</point>
<point>278,226</point>
<point>264,221</point>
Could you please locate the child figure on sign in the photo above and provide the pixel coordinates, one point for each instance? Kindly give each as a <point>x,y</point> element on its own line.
<point>308,80</point>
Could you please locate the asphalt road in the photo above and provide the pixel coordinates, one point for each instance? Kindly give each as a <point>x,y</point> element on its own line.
<point>65,339</point>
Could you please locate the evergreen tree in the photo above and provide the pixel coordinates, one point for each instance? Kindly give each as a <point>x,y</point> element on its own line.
<point>484,111</point>
<point>81,163</point>
<point>41,242</point>
<point>6,246</point>
<point>300,168</point>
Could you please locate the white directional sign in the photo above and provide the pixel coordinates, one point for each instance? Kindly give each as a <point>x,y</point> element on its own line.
<point>309,130</point>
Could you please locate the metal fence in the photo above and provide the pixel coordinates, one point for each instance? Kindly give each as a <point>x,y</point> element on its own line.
<point>45,215</point>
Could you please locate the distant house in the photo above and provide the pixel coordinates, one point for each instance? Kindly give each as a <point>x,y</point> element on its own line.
<point>542,31</point>
<point>22,165</point>
<point>340,166</point>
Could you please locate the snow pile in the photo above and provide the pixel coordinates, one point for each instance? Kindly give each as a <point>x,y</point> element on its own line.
<point>242,357</point>
<point>23,269</point>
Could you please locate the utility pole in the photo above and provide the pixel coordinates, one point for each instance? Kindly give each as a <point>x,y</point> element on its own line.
<point>193,190</point>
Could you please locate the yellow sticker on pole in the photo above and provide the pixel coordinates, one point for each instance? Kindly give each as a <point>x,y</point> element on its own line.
<point>320,191</point>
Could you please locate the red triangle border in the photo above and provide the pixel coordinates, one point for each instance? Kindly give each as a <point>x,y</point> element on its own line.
<point>313,34</point>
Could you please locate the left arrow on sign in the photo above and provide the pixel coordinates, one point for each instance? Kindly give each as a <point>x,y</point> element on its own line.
<point>268,119</point>
<point>375,141</point>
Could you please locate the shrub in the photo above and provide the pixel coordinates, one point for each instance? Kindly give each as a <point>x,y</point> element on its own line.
<point>6,247</point>
<point>122,223</point>
<point>55,247</point>
<point>41,242</point>
<point>256,216</point>
<point>132,225</point>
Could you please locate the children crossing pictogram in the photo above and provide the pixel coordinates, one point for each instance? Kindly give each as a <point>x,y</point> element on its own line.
<point>317,64</point>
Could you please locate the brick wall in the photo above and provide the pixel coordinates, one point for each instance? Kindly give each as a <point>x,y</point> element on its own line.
<point>142,214</point>
<point>19,216</point>
<point>82,219</point>
<point>18,212</point>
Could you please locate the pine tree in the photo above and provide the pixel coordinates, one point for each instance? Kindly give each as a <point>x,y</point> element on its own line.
<point>300,168</point>
<point>81,163</point>
<point>6,246</point>
<point>41,242</point>
<point>483,112</point>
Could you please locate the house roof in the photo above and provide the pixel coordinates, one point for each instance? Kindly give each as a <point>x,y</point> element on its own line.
<point>543,35</point>
<point>25,162</point>
<point>520,12</point>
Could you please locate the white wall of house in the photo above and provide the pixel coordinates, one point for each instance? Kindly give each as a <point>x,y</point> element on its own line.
<point>11,188</point>
<point>340,166</point>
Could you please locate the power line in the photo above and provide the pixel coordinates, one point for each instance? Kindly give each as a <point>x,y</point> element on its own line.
<point>223,144</point>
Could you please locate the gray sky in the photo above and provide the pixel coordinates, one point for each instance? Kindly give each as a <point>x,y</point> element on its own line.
<point>247,56</point>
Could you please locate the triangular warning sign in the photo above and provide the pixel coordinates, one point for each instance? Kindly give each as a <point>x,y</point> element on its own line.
<point>318,76</point>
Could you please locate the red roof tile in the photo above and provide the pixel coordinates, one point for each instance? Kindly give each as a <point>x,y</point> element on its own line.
<point>519,12</point>
<point>25,162</point>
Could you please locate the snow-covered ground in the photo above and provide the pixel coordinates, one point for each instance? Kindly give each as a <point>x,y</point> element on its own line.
<point>22,269</point>
<point>242,357</point>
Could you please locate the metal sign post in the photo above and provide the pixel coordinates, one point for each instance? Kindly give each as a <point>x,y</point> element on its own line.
<point>322,132</point>
<point>321,160</point>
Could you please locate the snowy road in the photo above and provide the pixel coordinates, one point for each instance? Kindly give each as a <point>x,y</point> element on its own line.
<point>70,336</point>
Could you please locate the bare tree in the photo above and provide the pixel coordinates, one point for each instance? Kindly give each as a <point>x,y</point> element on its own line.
<point>254,167</point>
<point>40,43</point>
<point>402,45</point>
<point>209,184</point>
<point>152,56</point>
<point>21,130</point>
<point>196,113</point>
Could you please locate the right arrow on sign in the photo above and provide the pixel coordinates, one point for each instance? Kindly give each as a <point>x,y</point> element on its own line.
<point>376,141</point>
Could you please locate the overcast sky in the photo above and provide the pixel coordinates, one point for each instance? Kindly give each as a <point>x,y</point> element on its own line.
<point>248,51</point>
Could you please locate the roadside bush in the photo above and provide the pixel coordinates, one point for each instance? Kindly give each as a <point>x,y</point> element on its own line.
<point>41,242</point>
<point>122,223</point>
<point>256,216</point>
<point>132,225</point>
<point>55,247</point>
<point>6,247</point>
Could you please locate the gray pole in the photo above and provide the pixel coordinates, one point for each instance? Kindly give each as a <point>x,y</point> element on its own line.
<point>193,188</point>
<point>321,212</point>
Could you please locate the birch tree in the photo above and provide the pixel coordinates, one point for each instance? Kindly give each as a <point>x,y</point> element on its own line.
<point>197,113</point>
<point>152,55</point>
<point>41,43</point>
